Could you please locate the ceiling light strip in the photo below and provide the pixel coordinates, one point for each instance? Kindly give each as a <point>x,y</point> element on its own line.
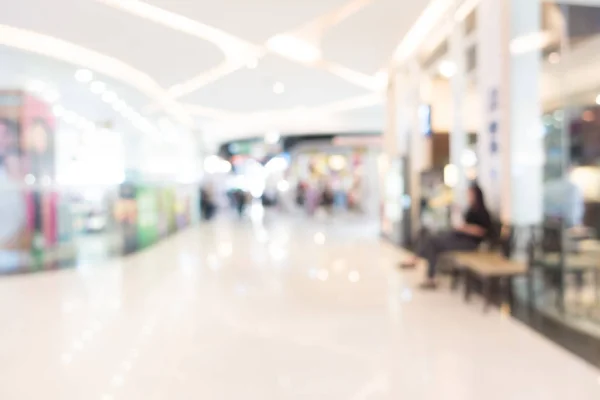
<point>365,81</point>
<point>203,79</point>
<point>77,55</point>
<point>233,47</point>
<point>238,51</point>
<point>430,17</point>
<point>338,15</point>
<point>353,103</point>
<point>208,112</point>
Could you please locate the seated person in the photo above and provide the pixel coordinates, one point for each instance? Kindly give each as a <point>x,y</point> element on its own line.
<point>477,225</point>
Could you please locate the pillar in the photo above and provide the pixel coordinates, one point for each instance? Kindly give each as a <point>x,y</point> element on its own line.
<point>394,162</point>
<point>419,145</point>
<point>510,147</point>
<point>458,135</point>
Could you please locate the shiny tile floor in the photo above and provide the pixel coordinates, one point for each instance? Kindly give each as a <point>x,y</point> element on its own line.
<point>287,309</point>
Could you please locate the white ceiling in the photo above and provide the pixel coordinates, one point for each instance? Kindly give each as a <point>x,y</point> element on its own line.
<point>164,53</point>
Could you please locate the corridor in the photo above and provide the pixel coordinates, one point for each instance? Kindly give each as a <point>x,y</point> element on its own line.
<point>285,309</point>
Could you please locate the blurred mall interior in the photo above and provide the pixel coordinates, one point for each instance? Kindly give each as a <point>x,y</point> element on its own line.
<point>222,199</point>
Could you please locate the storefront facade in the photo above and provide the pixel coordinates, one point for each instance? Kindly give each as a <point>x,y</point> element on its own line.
<point>513,82</point>
<point>83,175</point>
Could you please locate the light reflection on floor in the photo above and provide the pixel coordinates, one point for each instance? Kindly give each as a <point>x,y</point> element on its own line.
<point>267,308</point>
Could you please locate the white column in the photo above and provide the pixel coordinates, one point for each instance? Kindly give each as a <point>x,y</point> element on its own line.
<point>401,133</point>
<point>458,135</point>
<point>418,147</point>
<point>511,150</point>
<point>525,159</point>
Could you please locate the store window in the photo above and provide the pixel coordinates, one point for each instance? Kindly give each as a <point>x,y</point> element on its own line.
<point>570,87</point>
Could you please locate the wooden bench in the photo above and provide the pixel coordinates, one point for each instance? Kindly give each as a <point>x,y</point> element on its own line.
<point>498,242</point>
<point>455,263</point>
<point>492,268</point>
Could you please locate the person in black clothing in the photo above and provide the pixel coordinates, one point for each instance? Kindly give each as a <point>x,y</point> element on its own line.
<point>240,201</point>
<point>477,226</point>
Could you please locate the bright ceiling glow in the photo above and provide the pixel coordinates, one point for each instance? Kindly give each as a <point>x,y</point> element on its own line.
<point>359,79</point>
<point>240,53</point>
<point>36,86</point>
<point>468,158</point>
<point>283,185</point>
<point>109,97</point>
<point>235,49</point>
<point>451,175</point>
<point>337,162</point>
<point>535,41</point>
<point>277,164</point>
<point>119,105</point>
<point>84,75</point>
<point>216,165</point>
<point>83,57</point>
<point>294,48</point>
<point>97,87</point>
<point>431,16</point>
<point>203,79</point>
<point>58,110</point>
<point>272,137</point>
<point>51,95</point>
<point>278,88</point>
<point>447,69</point>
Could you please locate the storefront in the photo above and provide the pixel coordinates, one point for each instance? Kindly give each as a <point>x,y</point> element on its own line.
<point>81,186</point>
<point>520,76</point>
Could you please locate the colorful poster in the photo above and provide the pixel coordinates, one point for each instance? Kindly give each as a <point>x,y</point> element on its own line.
<point>166,212</point>
<point>147,219</point>
<point>27,200</point>
<point>126,216</point>
<point>182,208</point>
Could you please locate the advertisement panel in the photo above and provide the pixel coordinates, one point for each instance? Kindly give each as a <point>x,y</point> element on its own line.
<point>28,203</point>
<point>147,218</point>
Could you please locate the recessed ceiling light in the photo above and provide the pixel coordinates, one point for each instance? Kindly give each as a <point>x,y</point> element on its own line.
<point>109,97</point>
<point>58,110</point>
<point>272,137</point>
<point>84,75</point>
<point>598,99</point>
<point>70,117</point>
<point>447,68</point>
<point>278,88</point>
<point>98,87</point>
<point>51,96</point>
<point>119,105</point>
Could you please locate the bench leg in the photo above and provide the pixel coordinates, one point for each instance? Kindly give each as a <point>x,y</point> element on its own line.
<point>508,291</point>
<point>487,293</point>
<point>467,279</point>
<point>455,278</point>
<point>530,290</point>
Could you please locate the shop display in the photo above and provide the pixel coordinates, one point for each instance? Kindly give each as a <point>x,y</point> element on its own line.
<point>28,203</point>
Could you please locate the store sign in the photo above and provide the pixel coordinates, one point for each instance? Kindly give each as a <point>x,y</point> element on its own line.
<point>491,82</point>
